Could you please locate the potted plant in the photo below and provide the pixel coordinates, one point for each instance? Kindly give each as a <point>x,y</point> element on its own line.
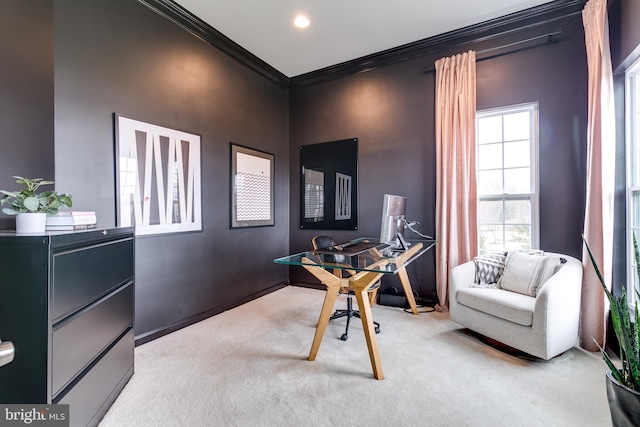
<point>30,207</point>
<point>623,384</point>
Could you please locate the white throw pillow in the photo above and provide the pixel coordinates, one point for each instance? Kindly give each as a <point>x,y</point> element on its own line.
<point>525,274</point>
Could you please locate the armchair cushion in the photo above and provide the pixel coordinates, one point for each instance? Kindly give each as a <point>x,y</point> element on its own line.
<point>507,305</point>
<point>526,274</point>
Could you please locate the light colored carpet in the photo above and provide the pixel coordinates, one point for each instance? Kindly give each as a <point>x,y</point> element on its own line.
<point>248,367</point>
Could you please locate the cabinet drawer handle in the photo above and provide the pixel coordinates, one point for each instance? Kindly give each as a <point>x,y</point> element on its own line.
<point>7,351</point>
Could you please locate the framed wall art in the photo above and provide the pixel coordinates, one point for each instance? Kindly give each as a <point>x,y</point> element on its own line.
<point>252,186</point>
<point>158,178</point>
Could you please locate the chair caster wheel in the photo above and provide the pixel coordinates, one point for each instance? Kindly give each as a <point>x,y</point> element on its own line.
<point>344,337</point>
<point>377,330</point>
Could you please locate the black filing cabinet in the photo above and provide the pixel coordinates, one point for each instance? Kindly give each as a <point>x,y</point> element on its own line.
<point>66,303</point>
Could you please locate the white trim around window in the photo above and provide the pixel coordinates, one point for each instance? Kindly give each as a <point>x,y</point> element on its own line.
<point>507,178</point>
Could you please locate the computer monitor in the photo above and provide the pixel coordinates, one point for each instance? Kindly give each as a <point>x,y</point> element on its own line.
<point>393,221</point>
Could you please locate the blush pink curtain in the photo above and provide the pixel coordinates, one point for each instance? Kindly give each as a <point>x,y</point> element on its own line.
<point>456,204</point>
<point>598,219</point>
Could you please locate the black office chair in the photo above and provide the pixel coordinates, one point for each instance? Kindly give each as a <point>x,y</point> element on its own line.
<point>322,242</point>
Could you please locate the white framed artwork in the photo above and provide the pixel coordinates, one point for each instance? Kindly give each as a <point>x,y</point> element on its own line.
<point>158,178</point>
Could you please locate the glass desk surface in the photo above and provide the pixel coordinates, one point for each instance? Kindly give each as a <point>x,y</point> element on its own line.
<point>362,254</point>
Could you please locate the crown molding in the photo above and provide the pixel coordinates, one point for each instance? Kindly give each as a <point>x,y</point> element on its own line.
<point>506,24</point>
<point>176,13</point>
<point>429,46</point>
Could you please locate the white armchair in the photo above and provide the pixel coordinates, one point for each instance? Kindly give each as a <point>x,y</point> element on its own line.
<point>543,326</point>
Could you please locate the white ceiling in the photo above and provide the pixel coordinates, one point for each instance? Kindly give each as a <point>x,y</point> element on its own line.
<point>340,30</point>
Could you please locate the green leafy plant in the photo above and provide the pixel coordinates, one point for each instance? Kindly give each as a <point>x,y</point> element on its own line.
<point>627,330</point>
<point>29,200</point>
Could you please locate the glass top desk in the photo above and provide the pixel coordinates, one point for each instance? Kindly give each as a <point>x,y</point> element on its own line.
<point>366,260</point>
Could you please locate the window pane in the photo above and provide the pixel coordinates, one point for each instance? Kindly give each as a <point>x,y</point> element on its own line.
<point>489,129</point>
<point>517,237</point>
<point>490,211</point>
<point>635,229</point>
<point>634,128</point>
<point>635,164</point>
<point>636,287</point>
<point>490,238</point>
<point>517,212</point>
<point>516,126</point>
<point>517,154</point>
<point>490,182</point>
<point>635,203</point>
<point>634,280</point>
<point>507,174</point>
<point>634,120</point>
<point>517,181</point>
<point>490,156</point>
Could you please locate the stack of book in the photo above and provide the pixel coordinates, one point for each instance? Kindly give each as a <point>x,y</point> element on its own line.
<point>71,220</point>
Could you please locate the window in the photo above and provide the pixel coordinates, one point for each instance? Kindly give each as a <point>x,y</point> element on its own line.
<point>507,181</point>
<point>633,173</point>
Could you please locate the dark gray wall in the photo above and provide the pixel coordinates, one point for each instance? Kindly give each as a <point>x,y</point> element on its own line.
<point>26,93</point>
<point>119,56</point>
<point>392,115</point>
<point>391,112</point>
<point>630,30</point>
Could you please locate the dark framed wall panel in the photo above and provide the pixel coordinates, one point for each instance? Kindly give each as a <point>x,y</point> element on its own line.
<point>329,185</point>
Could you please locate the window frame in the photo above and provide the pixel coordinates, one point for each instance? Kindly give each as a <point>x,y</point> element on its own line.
<point>632,145</point>
<point>533,197</point>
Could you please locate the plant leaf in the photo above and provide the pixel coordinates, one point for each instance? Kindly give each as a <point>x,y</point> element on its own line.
<point>32,203</point>
<point>625,330</point>
<point>26,200</point>
<point>614,370</point>
<point>65,199</point>
<point>636,349</point>
<point>9,193</point>
<point>595,267</point>
<point>627,340</point>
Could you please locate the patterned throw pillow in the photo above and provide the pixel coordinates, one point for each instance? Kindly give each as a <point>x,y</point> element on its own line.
<point>489,268</point>
<point>526,274</point>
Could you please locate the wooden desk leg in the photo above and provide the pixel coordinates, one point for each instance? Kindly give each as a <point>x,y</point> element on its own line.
<point>372,297</point>
<point>367,324</point>
<point>360,283</point>
<point>327,307</point>
<point>404,277</point>
<point>408,290</point>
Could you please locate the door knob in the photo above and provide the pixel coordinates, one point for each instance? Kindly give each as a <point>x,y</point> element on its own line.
<point>7,351</point>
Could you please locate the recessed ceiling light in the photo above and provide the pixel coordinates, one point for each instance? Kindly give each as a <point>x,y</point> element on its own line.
<point>301,21</point>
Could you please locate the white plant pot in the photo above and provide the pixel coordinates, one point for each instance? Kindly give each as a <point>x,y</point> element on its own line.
<point>31,223</point>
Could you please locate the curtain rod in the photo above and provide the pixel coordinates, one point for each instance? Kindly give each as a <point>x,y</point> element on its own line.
<point>548,36</point>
